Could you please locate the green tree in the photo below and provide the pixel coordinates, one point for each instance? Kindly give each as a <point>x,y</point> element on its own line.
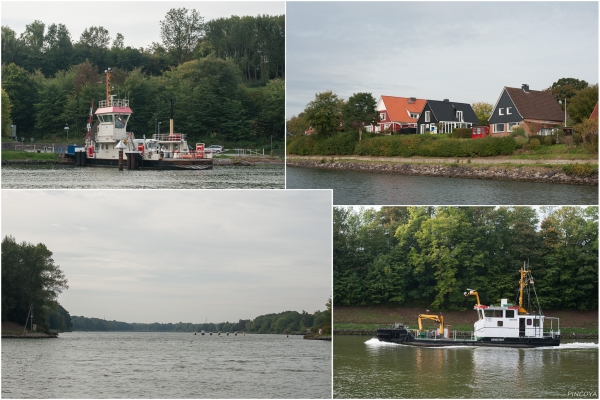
<point>483,111</point>
<point>29,278</point>
<point>6,121</point>
<point>324,113</point>
<point>566,88</point>
<point>22,89</point>
<point>297,124</point>
<point>181,31</point>
<point>359,110</point>
<point>582,104</point>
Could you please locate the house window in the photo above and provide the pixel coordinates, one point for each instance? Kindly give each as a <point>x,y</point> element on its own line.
<point>498,128</point>
<point>381,116</point>
<point>545,131</point>
<point>386,125</point>
<point>427,116</point>
<point>512,125</point>
<point>414,115</point>
<point>459,115</point>
<point>500,112</point>
<point>508,111</point>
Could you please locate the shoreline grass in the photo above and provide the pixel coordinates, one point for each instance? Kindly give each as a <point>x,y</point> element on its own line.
<point>17,155</point>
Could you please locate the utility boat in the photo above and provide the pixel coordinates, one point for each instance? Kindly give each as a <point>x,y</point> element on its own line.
<point>497,326</point>
<point>164,151</point>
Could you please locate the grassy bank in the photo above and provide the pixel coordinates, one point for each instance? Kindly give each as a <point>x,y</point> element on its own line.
<point>370,318</point>
<point>12,155</point>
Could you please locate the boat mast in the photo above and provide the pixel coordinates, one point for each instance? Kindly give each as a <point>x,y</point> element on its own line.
<point>522,284</point>
<point>108,72</point>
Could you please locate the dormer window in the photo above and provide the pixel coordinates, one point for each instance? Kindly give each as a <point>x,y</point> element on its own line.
<point>427,116</point>
<point>508,111</point>
<point>414,115</point>
<point>459,115</point>
<point>381,116</point>
<point>500,111</point>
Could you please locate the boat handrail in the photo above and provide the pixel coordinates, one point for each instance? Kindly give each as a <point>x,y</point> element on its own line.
<point>114,103</point>
<point>168,137</point>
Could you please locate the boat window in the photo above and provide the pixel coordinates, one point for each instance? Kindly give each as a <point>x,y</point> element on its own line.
<point>108,118</point>
<point>121,120</point>
<point>536,322</point>
<point>493,313</point>
<point>510,313</point>
<point>500,323</point>
<point>528,321</point>
<point>101,118</point>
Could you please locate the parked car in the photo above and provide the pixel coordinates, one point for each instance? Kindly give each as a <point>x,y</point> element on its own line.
<point>215,148</point>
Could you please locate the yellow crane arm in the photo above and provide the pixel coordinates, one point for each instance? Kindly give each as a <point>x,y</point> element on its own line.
<point>471,292</point>
<point>435,318</point>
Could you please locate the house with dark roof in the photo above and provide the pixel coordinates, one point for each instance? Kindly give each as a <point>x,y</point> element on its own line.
<point>397,114</point>
<point>443,116</point>
<point>537,112</point>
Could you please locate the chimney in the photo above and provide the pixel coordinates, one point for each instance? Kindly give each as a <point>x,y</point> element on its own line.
<point>413,99</point>
<point>446,100</point>
<point>525,87</point>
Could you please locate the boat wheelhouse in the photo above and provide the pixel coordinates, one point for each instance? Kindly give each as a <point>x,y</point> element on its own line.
<point>505,325</point>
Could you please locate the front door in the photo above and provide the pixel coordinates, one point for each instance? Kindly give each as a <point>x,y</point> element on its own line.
<point>521,327</point>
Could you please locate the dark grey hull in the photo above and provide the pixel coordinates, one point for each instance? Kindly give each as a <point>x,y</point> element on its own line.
<point>402,336</point>
<point>165,164</point>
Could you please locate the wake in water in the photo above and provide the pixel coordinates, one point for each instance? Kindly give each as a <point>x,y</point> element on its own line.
<point>375,343</point>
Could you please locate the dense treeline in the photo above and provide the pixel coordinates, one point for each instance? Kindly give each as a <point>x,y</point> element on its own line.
<point>428,256</point>
<point>256,45</point>
<point>221,95</point>
<point>31,283</point>
<point>285,322</point>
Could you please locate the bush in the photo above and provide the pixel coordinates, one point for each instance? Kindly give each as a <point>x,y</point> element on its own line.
<point>339,144</point>
<point>460,133</point>
<point>548,140</point>
<point>582,170</point>
<point>534,144</point>
<point>518,132</point>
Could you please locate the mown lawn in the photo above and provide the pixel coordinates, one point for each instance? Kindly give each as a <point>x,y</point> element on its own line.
<point>370,318</point>
<point>12,155</point>
<point>557,152</point>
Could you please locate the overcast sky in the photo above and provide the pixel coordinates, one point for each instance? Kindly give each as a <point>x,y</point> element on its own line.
<point>176,255</point>
<point>464,51</point>
<point>137,21</point>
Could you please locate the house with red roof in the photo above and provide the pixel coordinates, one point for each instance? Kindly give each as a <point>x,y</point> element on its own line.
<point>397,114</point>
<point>537,112</point>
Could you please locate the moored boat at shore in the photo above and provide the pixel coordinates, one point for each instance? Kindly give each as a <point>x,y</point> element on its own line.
<point>505,325</point>
<point>164,151</point>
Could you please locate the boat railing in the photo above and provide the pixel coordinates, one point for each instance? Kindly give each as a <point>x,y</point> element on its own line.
<point>114,103</point>
<point>169,137</point>
<point>554,327</point>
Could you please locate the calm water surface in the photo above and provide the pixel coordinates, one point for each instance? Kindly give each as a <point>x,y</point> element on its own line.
<point>166,365</point>
<point>366,188</point>
<point>363,367</point>
<point>267,176</point>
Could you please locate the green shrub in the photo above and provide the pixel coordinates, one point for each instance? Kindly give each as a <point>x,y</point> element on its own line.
<point>460,133</point>
<point>534,144</point>
<point>339,144</point>
<point>548,141</point>
<point>519,131</point>
<point>582,170</point>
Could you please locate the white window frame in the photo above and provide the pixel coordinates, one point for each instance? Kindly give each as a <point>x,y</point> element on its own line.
<point>508,111</point>
<point>500,111</point>
<point>511,126</point>
<point>413,115</point>
<point>427,116</point>
<point>459,115</point>
<point>381,116</point>
<point>496,128</point>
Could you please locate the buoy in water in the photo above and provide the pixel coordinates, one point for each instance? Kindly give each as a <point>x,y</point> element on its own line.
<point>194,333</point>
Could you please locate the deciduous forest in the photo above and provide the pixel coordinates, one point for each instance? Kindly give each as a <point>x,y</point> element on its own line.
<point>429,256</point>
<point>225,77</point>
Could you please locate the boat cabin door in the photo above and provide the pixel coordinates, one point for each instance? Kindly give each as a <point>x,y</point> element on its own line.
<point>521,327</point>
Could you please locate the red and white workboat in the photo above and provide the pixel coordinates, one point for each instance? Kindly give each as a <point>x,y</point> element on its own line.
<point>163,151</point>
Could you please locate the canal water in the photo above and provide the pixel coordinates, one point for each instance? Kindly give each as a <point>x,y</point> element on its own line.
<point>366,188</point>
<point>166,365</point>
<point>260,176</point>
<point>363,367</point>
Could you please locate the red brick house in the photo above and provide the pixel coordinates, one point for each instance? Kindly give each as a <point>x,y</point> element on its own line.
<point>537,112</point>
<point>594,114</point>
<point>397,114</point>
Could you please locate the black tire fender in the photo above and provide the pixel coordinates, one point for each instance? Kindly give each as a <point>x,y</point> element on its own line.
<point>529,342</point>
